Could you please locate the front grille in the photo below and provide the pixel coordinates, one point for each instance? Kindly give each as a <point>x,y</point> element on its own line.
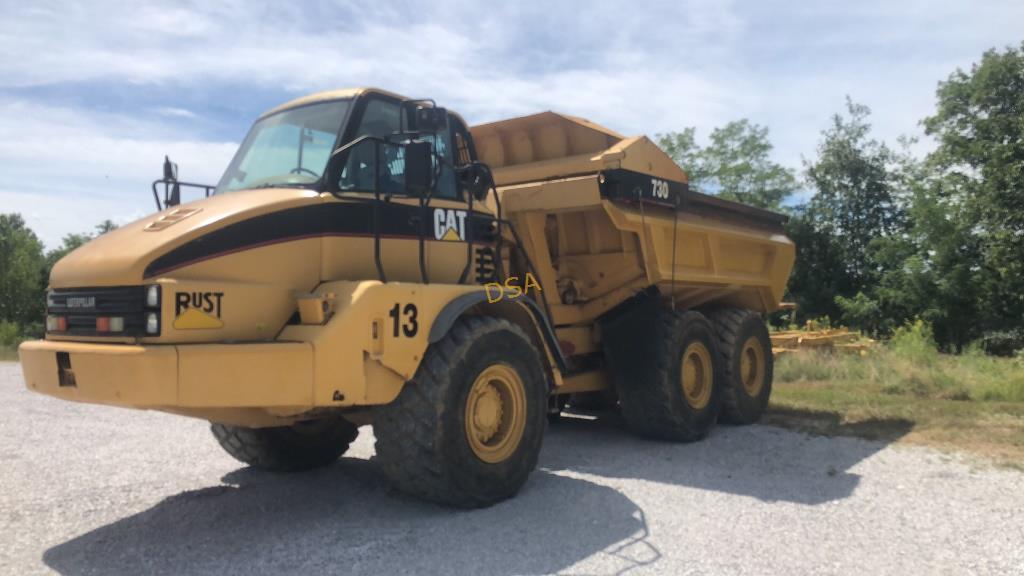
<point>81,307</point>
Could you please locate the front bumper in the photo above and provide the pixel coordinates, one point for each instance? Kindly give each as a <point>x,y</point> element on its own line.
<point>276,375</point>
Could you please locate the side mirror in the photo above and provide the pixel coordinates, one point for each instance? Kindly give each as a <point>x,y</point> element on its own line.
<point>170,169</point>
<point>419,167</point>
<point>173,196</point>
<point>429,119</point>
<point>477,179</point>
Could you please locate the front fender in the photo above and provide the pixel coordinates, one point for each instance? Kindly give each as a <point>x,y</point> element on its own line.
<point>379,332</point>
<point>464,302</point>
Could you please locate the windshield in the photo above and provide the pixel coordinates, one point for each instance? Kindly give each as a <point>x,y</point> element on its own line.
<point>290,148</point>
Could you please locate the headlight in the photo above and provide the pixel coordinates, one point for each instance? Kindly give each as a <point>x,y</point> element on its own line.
<point>152,323</point>
<point>153,296</point>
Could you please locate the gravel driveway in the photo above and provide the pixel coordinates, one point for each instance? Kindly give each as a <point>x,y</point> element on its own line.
<point>94,490</point>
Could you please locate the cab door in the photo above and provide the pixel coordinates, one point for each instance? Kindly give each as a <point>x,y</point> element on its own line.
<point>372,188</point>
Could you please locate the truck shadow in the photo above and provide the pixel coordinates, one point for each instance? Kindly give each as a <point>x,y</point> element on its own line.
<point>344,519</point>
<point>768,463</point>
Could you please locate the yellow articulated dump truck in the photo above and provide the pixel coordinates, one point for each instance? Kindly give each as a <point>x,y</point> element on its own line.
<point>369,258</point>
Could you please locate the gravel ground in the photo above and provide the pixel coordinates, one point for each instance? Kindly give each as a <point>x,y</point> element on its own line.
<point>94,490</point>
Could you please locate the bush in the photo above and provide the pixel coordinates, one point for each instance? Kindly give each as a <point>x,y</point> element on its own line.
<point>10,334</point>
<point>862,313</point>
<point>915,341</point>
<point>1010,390</point>
<point>1003,342</point>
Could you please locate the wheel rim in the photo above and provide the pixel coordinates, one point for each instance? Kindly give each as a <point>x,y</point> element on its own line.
<point>496,413</point>
<point>752,366</point>
<point>697,375</point>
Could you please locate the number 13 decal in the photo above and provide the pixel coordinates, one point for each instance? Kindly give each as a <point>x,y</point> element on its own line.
<point>404,318</point>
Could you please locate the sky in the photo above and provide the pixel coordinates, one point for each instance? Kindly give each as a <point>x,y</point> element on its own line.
<point>94,94</point>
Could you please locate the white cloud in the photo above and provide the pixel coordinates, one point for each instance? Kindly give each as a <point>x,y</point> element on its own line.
<point>68,170</point>
<point>654,67</point>
<point>172,112</point>
<point>52,217</point>
<point>45,142</point>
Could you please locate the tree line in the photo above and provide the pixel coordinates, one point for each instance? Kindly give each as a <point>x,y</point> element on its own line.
<point>885,238</point>
<point>25,272</point>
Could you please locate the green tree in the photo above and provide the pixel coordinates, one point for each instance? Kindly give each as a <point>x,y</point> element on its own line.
<point>979,164</point>
<point>107,225</point>
<point>818,270</point>
<point>856,261</point>
<point>735,165</point>
<point>21,258</point>
<point>857,200</point>
<point>738,166</point>
<point>949,254</point>
<point>684,150</point>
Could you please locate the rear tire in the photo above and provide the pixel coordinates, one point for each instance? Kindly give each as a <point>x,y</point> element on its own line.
<point>466,431</point>
<point>302,446</point>
<point>747,364</point>
<point>665,366</point>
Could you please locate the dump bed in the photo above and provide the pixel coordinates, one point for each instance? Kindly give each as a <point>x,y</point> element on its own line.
<point>603,216</point>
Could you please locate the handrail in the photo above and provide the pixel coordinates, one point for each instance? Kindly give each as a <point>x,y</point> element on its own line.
<point>167,182</point>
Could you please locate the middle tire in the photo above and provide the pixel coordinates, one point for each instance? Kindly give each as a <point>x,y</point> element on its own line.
<point>466,431</point>
<point>666,369</point>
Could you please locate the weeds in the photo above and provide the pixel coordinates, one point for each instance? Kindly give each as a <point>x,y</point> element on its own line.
<point>969,400</point>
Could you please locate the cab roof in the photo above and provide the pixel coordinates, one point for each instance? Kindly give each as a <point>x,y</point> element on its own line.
<point>325,95</point>
<point>338,94</point>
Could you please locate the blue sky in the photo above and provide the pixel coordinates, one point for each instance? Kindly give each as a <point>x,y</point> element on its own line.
<point>93,94</point>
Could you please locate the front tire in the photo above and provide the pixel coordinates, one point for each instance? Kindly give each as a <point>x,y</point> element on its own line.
<point>466,431</point>
<point>301,446</point>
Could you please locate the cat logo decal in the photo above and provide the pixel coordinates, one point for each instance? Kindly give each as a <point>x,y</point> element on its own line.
<point>449,225</point>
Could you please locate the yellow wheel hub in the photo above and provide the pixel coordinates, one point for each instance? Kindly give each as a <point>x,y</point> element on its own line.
<point>752,366</point>
<point>697,375</point>
<point>496,413</point>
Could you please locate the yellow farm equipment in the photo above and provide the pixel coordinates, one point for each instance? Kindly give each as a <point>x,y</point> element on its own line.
<point>839,339</point>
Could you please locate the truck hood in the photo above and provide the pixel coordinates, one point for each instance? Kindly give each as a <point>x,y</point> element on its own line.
<point>120,257</point>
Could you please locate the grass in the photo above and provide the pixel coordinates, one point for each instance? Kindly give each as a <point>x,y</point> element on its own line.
<point>8,353</point>
<point>907,390</point>
<point>10,335</point>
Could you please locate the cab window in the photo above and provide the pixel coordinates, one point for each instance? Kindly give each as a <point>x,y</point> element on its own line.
<point>442,142</point>
<point>381,119</point>
<point>462,149</point>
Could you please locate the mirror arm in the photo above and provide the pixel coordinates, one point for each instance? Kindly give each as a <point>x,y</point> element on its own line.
<point>355,142</point>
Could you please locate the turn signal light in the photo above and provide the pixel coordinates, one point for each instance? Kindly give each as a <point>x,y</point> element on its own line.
<point>110,324</point>
<point>56,324</point>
